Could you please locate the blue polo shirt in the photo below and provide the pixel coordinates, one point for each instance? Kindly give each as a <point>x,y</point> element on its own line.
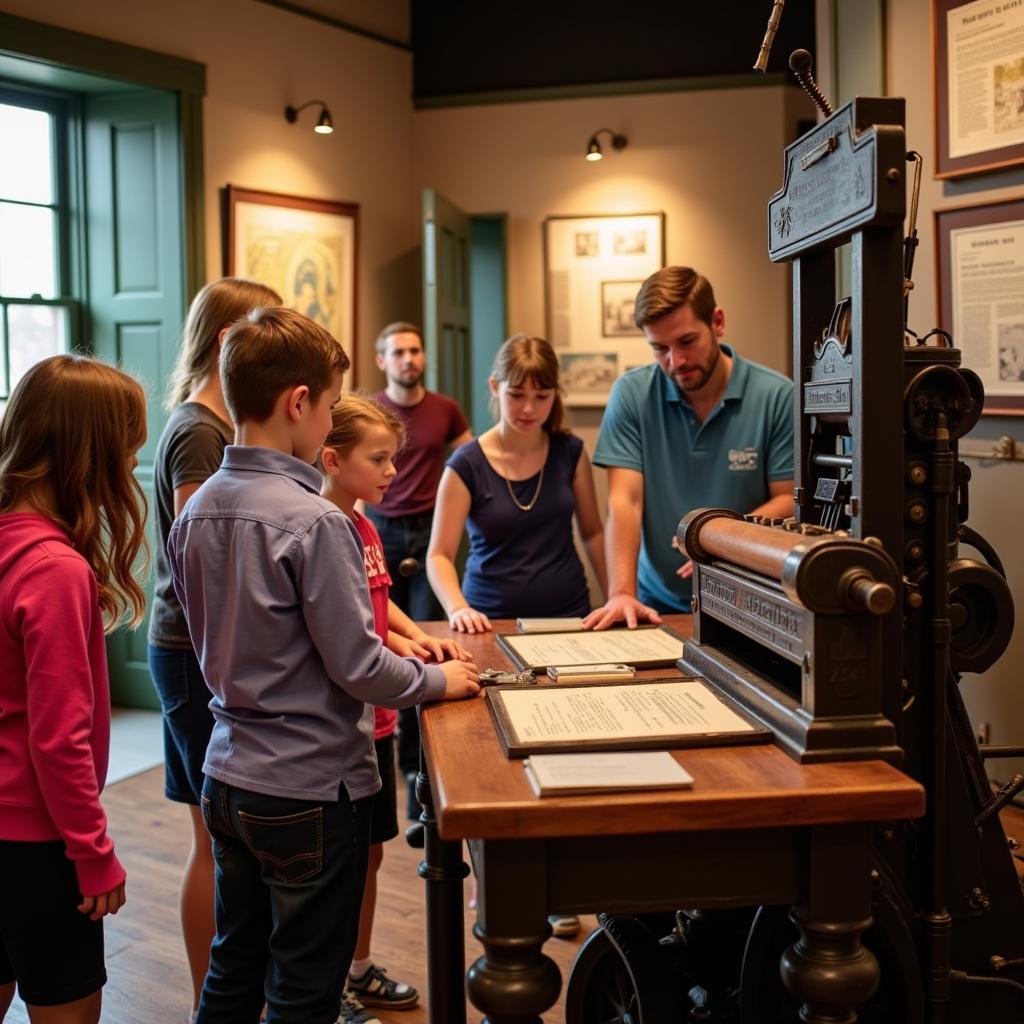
<point>725,462</point>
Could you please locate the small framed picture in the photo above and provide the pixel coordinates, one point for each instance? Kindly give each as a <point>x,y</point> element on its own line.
<point>587,377</point>
<point>980,258</point>
<point>617,301</point>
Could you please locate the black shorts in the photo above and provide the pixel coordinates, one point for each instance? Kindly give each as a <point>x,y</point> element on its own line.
<point>54,952</point>
<point>188,721</point>
<point>384,814</point>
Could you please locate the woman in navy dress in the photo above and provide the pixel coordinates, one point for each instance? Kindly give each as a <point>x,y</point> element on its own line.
<point>516,489</point>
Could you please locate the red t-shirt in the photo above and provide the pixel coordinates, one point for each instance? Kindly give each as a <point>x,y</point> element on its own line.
<point>380,582</point>
<point>431,426</point>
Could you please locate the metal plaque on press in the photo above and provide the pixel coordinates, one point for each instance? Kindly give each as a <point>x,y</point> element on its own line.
<point>757,612</point>
<point>845,174</point>
<point>828,396</point>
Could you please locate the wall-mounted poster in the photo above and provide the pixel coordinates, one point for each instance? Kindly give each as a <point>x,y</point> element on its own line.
<point>305,249</point>
<point>978,59</point>
<point>981,295</point>
<point>587,377</point>
<point>593,268</point>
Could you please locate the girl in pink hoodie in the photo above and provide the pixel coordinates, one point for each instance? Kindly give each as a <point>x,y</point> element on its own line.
<point>71,527</point>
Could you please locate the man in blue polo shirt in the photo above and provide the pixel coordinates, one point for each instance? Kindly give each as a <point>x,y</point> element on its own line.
<point>699,427</point>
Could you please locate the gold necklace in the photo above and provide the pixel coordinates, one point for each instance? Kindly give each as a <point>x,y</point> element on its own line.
<point>508,483</point>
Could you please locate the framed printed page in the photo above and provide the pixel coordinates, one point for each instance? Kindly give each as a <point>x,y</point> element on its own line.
<point>980,257</point>
<point>646,647</point>
<point>655,714</point>
<point>593,268</point>
<point>305,249</point>
<point>979,85</point>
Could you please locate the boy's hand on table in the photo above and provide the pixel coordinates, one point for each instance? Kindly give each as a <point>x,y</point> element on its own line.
<point>104,903</point>
<point>462,679</point>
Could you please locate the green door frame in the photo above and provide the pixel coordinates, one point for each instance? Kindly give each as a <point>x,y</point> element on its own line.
<point>64,49</point>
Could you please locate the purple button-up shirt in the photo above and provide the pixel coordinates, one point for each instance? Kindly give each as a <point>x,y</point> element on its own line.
<point>272,581</point>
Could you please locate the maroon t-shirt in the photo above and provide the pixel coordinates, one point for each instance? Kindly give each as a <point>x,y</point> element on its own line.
<point>431,425</point>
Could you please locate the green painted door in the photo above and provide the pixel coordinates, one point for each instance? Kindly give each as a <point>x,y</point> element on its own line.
<point>136,288</point>
<point>446,298</point>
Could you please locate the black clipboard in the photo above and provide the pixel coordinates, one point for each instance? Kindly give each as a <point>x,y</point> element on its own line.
<point>516,746</point>
<point>508,643</point>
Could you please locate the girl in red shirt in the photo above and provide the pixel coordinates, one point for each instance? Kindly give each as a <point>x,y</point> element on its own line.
<point>357,465</point>
<point>71,529</point>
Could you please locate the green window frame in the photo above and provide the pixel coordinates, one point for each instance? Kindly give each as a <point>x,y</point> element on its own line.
<point>62,111</point>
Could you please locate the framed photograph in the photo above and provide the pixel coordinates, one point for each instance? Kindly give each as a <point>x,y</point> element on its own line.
<point>593,267</point>
<point>978,62</point>
<point>980,268</point>
<point>305,249</point>
<point>617,301</point>
<point>587,377</point>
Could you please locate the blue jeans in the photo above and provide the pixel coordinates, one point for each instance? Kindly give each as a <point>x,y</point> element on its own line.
<point>289,884</point>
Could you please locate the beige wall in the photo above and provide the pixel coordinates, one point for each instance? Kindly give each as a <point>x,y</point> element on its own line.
<point>259,59</point>
<point>710,160</point>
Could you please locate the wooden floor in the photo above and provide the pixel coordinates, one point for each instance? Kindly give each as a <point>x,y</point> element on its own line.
<point>149,981</point>
<point>148,976</point>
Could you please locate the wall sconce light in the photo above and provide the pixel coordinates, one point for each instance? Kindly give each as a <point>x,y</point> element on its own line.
<point>594,147</point>
<point>324,125</point>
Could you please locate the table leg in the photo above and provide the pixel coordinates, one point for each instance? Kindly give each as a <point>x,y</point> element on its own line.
<point>827,968</point>
<point>443,871</point>
<point>513,982</point>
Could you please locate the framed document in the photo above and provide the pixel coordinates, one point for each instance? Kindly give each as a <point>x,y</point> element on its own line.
<point>656,714</point>
<point>646,647</point>
<point>593,268</point>
<point>978,57</point>
<point>980,261</point>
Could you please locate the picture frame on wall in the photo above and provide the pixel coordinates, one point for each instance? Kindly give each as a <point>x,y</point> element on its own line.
<point>980,273</point>
<point>587,377</point>
<point>978,65</point>
<point>305,249</point>
<point>593,267</point>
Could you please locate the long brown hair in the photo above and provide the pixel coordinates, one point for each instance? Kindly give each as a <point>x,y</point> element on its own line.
<point>521,358</point>
<point>72,424</point>
<point>216,306</point>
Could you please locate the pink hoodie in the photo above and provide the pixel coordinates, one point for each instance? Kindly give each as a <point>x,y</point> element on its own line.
<point>54,699</point>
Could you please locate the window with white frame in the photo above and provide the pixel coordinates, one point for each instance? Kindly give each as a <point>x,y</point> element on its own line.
<point>37,313</point>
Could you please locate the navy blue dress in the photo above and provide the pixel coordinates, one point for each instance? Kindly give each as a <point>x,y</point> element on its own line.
<point>522,563</point>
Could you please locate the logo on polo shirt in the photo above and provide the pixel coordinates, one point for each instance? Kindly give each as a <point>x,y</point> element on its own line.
<point>742,458</point>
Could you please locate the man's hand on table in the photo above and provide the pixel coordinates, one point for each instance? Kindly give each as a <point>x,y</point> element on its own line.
<point>621,608</point>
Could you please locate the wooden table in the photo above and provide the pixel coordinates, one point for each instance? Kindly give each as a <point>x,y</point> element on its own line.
<point>756,829</point>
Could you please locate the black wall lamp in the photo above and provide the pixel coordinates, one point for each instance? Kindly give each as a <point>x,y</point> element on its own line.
<point>324,125</point>
<point>594,147</point>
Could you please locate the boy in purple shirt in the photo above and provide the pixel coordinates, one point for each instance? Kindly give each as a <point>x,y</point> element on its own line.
<point>271,579</point>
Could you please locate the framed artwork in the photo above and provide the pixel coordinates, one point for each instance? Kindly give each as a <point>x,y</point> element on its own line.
<point>978,61</point>
<point>617,301</point>
<point>305,249</point>
<point>980,273</point>
<point>593,268</point>
<point>587,377</point>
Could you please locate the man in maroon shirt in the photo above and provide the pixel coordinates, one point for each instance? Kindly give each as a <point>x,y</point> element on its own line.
<point>434,425</point>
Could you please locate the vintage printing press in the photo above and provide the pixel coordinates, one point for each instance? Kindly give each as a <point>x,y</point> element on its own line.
<point>846,629</point>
